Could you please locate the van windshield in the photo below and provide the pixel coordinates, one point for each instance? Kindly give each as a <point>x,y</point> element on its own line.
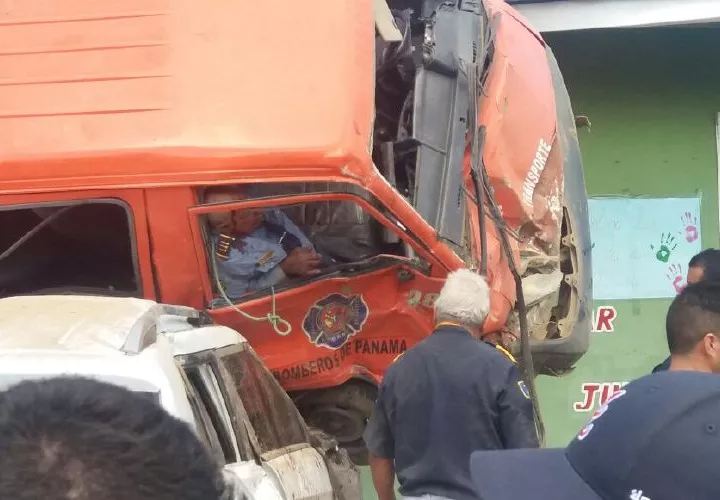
<point>271,412</point>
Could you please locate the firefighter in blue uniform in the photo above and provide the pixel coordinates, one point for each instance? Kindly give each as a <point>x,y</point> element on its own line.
<point>449,395</point>
<point>257,249</point>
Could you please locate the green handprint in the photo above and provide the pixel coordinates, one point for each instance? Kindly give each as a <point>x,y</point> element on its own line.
<point>667,245</point>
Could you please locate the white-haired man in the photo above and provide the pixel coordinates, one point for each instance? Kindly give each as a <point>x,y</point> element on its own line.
<point>447,396</point>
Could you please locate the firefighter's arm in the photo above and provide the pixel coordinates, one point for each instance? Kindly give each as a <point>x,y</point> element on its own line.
<point>517,417</point>
<point>383,476</point>
<point>381,449</point>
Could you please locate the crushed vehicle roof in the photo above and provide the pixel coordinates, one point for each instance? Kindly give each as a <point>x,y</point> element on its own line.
<point>80,324</point>
<point>203,81</point>
<point>86,324</point>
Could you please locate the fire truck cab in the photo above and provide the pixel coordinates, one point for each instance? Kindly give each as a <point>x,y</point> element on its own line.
<point>402,139</point>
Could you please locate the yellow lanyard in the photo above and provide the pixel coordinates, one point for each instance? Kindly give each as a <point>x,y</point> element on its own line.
<point>450,323</point>
<point>506,353</point>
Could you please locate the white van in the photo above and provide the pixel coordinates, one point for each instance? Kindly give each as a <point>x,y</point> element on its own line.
<point>204,374</point>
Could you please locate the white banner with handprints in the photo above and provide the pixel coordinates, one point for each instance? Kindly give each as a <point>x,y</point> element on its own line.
<point>642,246</point>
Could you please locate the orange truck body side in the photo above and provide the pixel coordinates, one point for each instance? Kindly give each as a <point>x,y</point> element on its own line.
<point>145,101</point>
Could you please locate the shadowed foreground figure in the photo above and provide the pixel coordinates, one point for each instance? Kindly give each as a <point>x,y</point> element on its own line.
<point>655,439</point>
<point>79,439</point>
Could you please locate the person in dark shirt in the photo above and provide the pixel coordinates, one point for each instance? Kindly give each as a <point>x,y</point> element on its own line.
<point>662,367</point>
<point>693,328</point>
<point>447,396</point>
<point>704,266</point>
<point>655,439</point>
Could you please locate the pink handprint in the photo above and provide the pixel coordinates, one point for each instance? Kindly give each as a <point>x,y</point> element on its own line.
<point>690,222</point>
<point>676,277</point>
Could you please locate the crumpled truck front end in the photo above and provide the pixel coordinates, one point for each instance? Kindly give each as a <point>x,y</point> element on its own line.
<point>532,157</point>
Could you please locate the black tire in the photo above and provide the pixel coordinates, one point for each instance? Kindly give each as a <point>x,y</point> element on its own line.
<point>356,397</point>
<point>344,475</point>
<point>358,452</point>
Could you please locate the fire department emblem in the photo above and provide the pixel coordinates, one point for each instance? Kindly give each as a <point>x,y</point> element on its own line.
<point>334,319</point>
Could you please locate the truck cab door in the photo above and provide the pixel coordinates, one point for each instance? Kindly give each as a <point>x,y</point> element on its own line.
<point>349,321</point>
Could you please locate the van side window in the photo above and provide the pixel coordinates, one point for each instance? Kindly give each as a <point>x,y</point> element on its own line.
<point>83,247</point>
<point>272,414</point>
<point>204,424</point>
<point>204,386</point>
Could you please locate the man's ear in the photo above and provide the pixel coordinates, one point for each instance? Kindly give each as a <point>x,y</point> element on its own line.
<point>711,343</point>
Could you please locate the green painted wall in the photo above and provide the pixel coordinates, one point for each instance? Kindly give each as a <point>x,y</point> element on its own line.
<point>652,96</point>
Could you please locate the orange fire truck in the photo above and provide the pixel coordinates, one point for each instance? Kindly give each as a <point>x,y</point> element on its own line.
<point>405,139</point>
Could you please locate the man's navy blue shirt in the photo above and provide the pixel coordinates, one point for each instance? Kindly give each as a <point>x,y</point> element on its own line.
<point>446,397</point>
<point>662,367</point>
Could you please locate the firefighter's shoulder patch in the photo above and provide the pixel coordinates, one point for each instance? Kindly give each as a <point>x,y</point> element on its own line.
<point>225,242</point>
<point>523,389</point>
<point>266,258</point>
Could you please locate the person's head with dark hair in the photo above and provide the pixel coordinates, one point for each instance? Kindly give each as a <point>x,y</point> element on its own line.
<point>693,328</point>
<point>234,192</point>
<point>235,222</point>
<point>704,266</point>
<point>71,438</point>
